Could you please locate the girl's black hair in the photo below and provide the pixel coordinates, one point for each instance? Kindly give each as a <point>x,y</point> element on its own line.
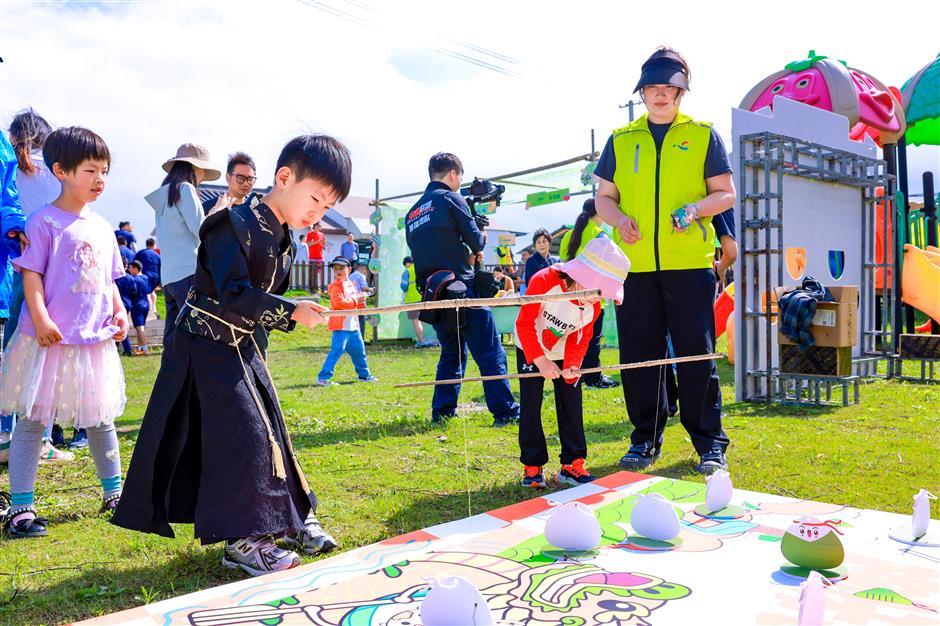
<point>587,212</point>
<point>28,131</point>
<point>181,172</point>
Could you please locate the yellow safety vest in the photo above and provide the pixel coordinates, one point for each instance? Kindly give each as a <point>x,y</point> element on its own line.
<point>591,231</point>
<point>678,176</point>
<point>411,294</point>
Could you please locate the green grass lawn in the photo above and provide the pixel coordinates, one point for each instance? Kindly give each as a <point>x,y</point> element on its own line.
<point>380,469</point>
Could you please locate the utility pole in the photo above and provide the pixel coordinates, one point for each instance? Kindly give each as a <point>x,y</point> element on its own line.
<point>629,106</point>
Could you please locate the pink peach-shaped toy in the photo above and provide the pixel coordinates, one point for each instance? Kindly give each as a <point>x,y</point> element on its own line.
<point>871,108</point>
<point>808,87</point>
<point>817,81</point>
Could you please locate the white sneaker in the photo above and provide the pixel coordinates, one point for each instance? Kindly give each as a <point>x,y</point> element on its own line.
<point>50,454</point>
<point>312,539</point>
<point>258,556</point>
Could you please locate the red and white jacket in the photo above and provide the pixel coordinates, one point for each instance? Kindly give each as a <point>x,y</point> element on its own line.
<point>559,330</point>
<point>343,297</point>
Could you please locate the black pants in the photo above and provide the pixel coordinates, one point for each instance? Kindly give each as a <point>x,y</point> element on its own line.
<point>532,447</point>
<point>174,296</point>
<point>592,358</point>
<point>678,302</point>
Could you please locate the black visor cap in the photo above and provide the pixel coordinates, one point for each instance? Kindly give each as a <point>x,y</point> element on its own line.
<point>663,68</point>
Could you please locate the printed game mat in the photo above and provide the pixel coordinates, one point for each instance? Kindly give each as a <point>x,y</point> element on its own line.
<point>725,569</point>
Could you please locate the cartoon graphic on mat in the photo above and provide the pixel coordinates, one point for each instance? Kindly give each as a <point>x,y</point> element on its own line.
<point>539,596</point>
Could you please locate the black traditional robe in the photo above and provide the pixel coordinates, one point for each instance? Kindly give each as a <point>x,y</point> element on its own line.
<point>213,449</point>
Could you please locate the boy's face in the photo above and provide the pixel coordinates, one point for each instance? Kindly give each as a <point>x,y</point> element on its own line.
<point>362,269</point>
<point>350,238</point>
<point>86,182</point>
<point>133,270</point>
<point>303,203</point>
<point>341,271</point>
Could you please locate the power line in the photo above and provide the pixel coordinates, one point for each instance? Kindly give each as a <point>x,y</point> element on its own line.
<point>352,18</point>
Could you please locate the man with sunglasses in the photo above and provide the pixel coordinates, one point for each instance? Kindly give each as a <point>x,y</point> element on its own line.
<point>241,179</point>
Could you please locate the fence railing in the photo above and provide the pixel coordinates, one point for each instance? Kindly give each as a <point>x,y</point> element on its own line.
<point>310,276</point>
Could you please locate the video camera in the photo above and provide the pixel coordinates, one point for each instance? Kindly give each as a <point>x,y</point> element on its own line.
<point>482,190</point>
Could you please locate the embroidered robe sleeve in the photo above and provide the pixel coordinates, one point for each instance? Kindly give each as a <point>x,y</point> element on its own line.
<point>228,267</point>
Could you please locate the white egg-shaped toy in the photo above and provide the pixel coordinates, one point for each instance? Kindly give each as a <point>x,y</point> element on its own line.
<point>920,521</point>
<point>454,601</point>
<point>718,490</point>
<point>654,517</point>
<point>573,526</point>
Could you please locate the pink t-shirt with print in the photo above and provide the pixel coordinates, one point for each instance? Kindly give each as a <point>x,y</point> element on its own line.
<point>79,259</point>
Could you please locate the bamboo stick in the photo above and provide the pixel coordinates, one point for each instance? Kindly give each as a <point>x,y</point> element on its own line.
<point>590,370</point>
<point>461,303</point>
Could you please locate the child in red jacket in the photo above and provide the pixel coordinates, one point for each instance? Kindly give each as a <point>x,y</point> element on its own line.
<point>552,338</point>
<point>346,337</point>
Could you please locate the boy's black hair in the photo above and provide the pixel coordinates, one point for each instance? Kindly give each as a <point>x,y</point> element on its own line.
<point>407,259</point>
<point>137,264</point>
<point>442,163</point>
<point>151,242</point>
<point>541,232</point>
<point>122,240</point>
<point>121,225</point>
<point>320,157</point>
<point>71,145</point>
<point>239,158</point>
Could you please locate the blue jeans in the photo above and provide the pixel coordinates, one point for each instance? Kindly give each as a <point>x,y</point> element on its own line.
<point>479,335</point>
<point>350,342</point>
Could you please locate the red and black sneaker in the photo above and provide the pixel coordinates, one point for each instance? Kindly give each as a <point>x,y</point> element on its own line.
<point>533,477</point>
<point>574,474</point>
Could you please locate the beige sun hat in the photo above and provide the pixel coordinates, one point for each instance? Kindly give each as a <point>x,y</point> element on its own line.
<point>196,156</point>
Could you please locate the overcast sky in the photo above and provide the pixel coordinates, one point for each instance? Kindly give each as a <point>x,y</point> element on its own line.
<point>505,85</point>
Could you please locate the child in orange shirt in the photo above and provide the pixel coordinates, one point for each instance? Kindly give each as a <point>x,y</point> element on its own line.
<point>346,337</point>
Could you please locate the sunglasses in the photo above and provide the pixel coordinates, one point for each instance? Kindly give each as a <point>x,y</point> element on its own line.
<point>241,179</point>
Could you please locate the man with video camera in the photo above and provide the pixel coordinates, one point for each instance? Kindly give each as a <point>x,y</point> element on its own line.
<point>442,232</point>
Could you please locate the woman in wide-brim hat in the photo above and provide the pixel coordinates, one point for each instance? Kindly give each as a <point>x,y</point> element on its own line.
<point>663,177</point>
<point>179,215</point>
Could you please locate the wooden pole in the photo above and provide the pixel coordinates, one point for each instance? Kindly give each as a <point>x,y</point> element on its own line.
<point>590,370</point>
<point>461,303</point>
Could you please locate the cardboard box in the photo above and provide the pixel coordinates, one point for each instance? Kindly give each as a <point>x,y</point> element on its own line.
<point>835,324</point>
<point>816,361</point>
<point>920,347</point>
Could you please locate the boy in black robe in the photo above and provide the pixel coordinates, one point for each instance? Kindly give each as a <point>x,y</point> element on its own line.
<point>213,449</point>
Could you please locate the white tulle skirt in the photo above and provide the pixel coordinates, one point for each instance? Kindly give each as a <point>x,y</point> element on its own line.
<point>77,386</point>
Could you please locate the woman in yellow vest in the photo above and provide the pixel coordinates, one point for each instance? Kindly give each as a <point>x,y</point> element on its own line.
<point>663,178</point>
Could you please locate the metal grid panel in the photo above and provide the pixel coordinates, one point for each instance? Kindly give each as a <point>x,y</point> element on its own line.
<point>765,159</point>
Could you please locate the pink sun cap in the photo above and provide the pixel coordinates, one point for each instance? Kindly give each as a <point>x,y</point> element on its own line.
<point>600,265</point>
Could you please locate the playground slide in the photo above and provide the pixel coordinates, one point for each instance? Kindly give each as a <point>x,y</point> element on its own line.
<point>920,279</point>
<point>724,305</point>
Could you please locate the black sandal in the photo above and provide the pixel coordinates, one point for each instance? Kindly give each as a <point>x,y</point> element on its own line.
<point>109,504</point>
<point>25,528</point>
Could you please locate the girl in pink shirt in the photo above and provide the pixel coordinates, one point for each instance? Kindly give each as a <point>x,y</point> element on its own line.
<point>61,363</point>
